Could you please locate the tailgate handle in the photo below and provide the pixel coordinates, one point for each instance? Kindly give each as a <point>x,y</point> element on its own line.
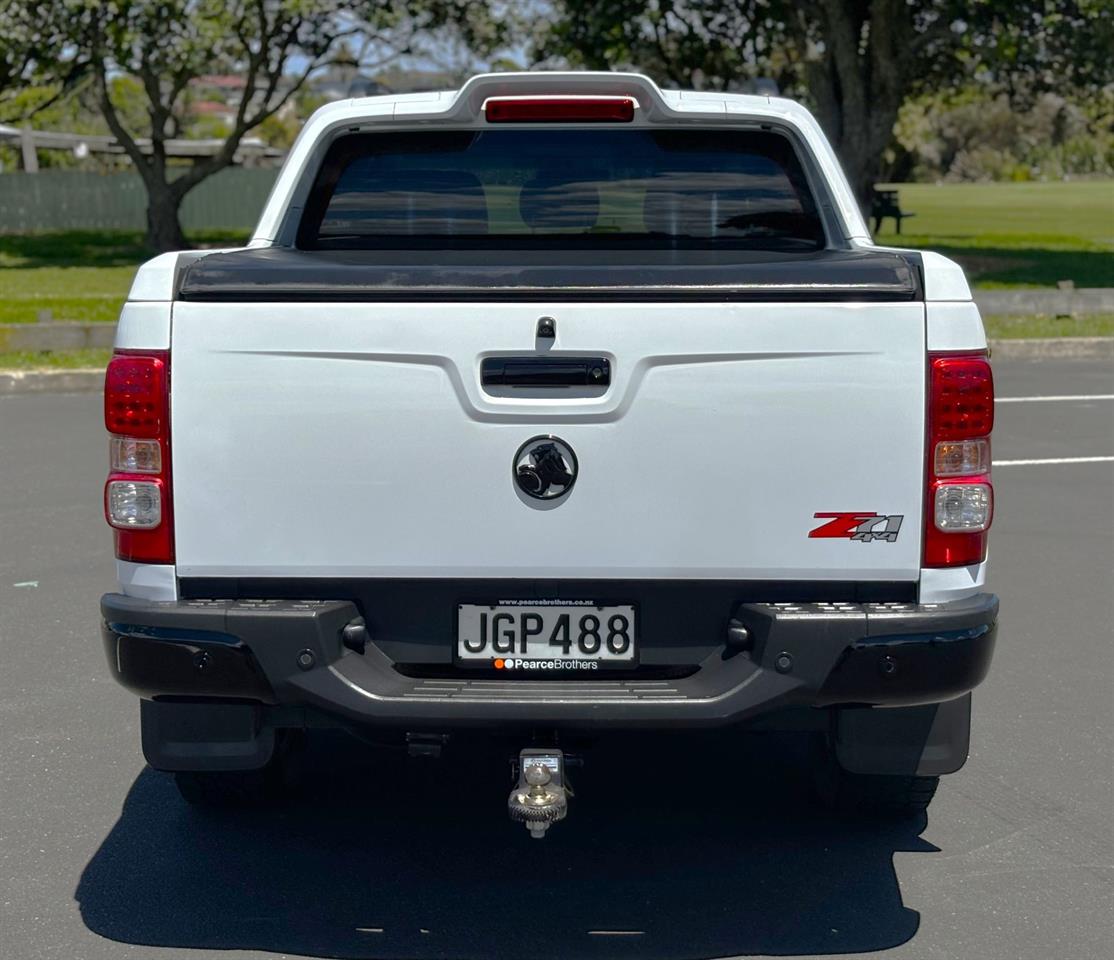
<point>546,372</point>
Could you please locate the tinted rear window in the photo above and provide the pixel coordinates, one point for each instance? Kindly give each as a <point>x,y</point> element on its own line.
<point>563,189</point>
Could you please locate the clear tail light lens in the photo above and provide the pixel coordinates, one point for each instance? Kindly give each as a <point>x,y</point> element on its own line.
<point>962,458</point>
<point>133,504</point>
<point>963,507</point>
<point>129,455</point>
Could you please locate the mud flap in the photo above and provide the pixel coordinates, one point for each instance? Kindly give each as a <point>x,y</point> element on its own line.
<point>923,741</point>
<point>202,736</point>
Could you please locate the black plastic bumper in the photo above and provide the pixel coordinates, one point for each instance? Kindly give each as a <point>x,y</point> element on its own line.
<point>809,654</point>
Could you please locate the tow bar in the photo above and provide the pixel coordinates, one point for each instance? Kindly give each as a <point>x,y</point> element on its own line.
<point>541,797</point>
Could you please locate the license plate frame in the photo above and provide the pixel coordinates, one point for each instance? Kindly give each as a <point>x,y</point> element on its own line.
<point>539,658</point>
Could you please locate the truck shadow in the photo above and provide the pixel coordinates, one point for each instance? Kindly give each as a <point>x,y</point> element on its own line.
<point>384,857</point>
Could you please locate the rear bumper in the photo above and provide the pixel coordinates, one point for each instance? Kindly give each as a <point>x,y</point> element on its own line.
<point>291,653</point>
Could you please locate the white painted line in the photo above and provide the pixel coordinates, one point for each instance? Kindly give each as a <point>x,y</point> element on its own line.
<point>1029,463</point>
<point>1057,399</point>
<point>616,933</point>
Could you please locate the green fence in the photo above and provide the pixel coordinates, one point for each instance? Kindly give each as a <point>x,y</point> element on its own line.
<point>64,200</point>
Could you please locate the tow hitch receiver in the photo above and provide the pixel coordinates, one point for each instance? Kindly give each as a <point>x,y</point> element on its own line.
<point>541,797</point>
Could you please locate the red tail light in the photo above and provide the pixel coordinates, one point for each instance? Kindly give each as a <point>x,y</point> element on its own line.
<point>137,496</point>
<point>135,395</point>
<point>961,397</point>
<point>959,499</point>
<point>559,110</point>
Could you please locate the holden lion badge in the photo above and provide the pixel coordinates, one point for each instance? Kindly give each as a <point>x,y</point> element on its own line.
<point>545,468</point>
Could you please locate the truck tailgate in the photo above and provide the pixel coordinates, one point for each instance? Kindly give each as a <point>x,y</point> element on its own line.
<point>356,440</point>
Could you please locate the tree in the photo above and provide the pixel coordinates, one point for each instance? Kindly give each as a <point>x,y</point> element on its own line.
<point>874,54</point>
<point>164,44</point>
<point>870,55</point>
<point>273,46</point>
<point>856,60</point>
<point>707,44</point>
<point>30,50</point>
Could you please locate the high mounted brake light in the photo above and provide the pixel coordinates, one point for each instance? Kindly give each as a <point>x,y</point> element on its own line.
<point>959,500</point>
<point>137,494</point>
<point>559,109</point>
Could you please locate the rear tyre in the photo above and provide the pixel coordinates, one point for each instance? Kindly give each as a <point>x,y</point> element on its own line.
<point>232,789</point>
<point>871,796</point>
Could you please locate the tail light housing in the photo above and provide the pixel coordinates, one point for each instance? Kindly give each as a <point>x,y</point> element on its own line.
<point>959,501</point>
<point>137,495</point>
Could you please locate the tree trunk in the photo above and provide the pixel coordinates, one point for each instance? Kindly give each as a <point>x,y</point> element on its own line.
<point>164,232</point>
<point>861,156</point>
<point>859,88</point>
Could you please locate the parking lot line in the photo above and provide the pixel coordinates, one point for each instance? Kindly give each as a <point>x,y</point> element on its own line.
<point>1029,463</point>
<point>616,933</point>
<point>1064,398</point>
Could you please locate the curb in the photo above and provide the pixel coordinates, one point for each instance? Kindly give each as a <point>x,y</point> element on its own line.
<point>1068,301</point>
<point>51,381</point>
<point>56,335</point>
<point>1054,348</point>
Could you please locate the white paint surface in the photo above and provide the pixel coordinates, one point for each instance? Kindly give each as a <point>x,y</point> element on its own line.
<point>945,584</point>
<point>149,581</point>
<point>327,440</point>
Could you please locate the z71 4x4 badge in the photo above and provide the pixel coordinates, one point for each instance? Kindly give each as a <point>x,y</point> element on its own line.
<point>864,527</point>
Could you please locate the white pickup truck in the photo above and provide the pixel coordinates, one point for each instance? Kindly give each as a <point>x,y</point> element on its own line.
<point>556,405</point>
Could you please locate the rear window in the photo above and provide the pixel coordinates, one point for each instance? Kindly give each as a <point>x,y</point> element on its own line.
<point>563,189</point>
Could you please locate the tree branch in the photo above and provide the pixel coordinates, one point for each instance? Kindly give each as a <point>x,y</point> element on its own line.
<point>119,131</point>
<point>205,168</point>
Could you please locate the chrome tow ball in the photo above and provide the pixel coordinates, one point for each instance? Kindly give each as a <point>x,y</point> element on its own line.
<point>540,797</point>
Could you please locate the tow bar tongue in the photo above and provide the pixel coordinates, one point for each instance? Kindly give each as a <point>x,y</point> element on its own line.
<point>540,798</point>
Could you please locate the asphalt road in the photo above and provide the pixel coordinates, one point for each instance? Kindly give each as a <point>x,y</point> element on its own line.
<point>99,858</point>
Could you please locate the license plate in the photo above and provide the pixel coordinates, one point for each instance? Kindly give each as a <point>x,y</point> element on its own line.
<point>538,635</point>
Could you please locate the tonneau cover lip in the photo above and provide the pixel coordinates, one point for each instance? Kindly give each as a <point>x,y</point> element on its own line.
<point>545,294</point>
<point>288,275</point>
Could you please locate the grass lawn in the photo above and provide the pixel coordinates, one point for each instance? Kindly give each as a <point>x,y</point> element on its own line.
<point>1042,325</point>
<point>55,360</point>
<point>77,275</point>
<point>1014,234</point>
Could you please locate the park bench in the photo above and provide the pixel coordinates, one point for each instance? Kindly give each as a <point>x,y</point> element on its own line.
<point>885,204</point>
